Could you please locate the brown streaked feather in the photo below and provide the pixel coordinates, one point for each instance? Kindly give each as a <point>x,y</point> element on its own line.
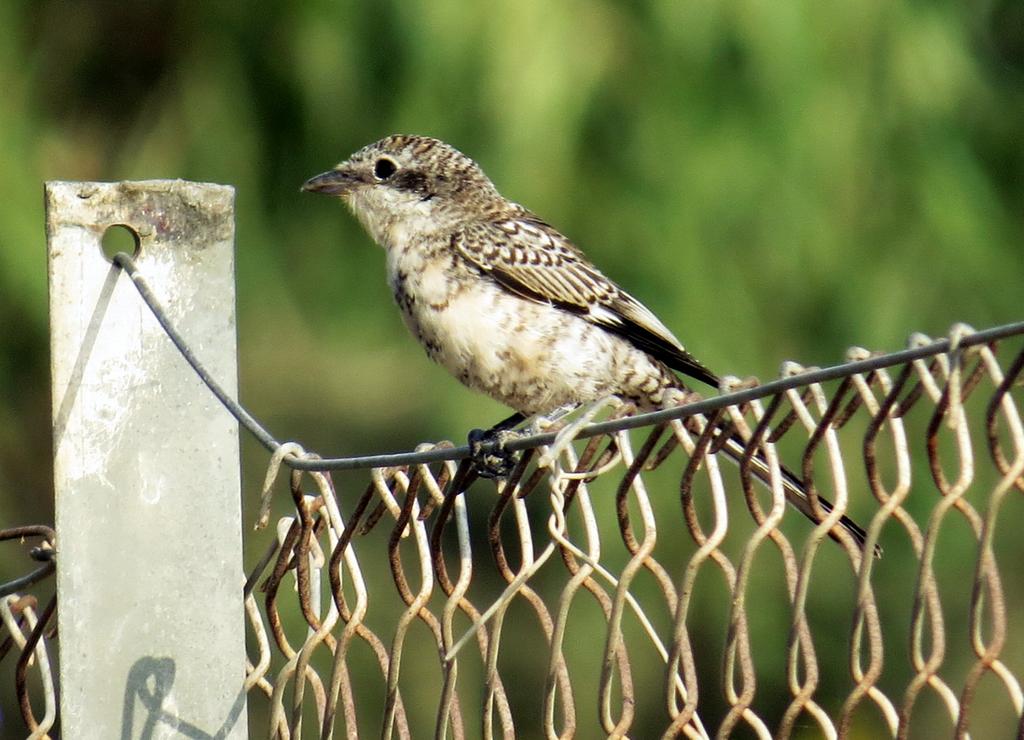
<point>531,259</point>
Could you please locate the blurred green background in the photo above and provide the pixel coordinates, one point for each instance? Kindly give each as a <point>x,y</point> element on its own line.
<point>775,180</point>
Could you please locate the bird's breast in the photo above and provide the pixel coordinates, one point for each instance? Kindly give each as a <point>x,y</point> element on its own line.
<point>453,314</point>
<point>529,355</point>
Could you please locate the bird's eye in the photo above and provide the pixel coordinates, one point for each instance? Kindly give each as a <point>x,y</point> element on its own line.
<point>384,168</point>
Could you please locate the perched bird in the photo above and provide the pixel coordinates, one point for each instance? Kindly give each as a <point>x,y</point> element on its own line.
<point>505,302</point>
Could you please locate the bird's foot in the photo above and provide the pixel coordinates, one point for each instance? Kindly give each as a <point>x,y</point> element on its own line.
<point>496,462</point>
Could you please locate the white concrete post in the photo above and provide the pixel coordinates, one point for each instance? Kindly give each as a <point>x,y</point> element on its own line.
<point>146,468</point>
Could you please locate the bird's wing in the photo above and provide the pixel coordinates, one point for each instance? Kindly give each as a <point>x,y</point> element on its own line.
<point>531,259</point>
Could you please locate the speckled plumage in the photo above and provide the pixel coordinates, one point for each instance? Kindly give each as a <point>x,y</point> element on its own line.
<point>505,302</point>
<point>498,297</point>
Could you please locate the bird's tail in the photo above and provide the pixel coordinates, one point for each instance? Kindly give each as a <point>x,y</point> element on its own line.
<point>796,492</point>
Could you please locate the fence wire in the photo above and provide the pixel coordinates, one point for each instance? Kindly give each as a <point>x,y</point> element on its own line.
<point>602,546</point>
<point>622,581</point>
<point>26,634</point>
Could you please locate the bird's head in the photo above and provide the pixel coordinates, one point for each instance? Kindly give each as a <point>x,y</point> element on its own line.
<point>409,185</point>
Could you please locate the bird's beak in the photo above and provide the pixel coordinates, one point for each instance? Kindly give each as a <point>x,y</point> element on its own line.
<point>333,182</point>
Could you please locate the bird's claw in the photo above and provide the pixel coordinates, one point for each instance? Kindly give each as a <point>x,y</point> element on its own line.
<point>496,462</point>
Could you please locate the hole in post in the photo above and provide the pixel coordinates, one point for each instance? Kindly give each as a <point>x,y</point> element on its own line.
<point>120,238</point>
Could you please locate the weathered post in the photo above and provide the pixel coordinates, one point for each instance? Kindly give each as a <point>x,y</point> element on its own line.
<point>146,468</point>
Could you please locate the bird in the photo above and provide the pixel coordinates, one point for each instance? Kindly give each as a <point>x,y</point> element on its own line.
<point>508,304</point>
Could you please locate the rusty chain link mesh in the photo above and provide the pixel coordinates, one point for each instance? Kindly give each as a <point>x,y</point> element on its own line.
<point>630,583</point>
<point>633,584</point>
<point>26,635</point>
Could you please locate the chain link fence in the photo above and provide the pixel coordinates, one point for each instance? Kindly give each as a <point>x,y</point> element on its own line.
<point>617,584</point>
<point>628,580</point>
